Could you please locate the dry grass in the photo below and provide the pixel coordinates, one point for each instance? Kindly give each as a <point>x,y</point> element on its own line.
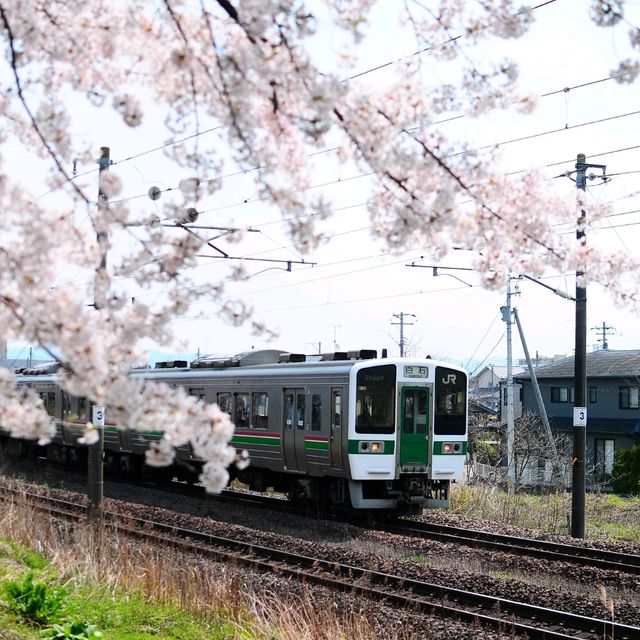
<point>217,595</point>
<point>607,516</point>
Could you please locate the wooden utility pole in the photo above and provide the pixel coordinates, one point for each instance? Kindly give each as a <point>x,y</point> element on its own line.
<point>95,469</point>
<point>602,332</point>
<point>401,316</point>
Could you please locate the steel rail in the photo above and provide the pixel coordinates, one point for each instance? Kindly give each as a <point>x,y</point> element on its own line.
<point>557,551</point>
<point>401,591</point>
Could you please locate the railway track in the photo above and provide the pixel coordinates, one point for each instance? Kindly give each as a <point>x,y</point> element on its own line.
<point>508,616</point>
<point>553,551</point>
<point>560,552</point>
<point>547,550</point>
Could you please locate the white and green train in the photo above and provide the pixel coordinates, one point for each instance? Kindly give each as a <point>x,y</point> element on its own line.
<point>344,429</point>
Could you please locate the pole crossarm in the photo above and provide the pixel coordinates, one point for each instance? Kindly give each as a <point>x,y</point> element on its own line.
<point>248,259</point>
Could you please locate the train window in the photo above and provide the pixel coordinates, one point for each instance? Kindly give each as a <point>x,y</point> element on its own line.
<point>375,399</point>
<point>451,402</point>
<point>82,409</point>
<point>242,409</point>
<point>316,412</point>
<point>288,410</point>
<point>49,402</point>
<point>337,409</point>
<point>300,412</point>
<point>66,406</point>
<point>260,415</point>
<point>415,411</point>
<point>224,402</point>
<point>198,392</point>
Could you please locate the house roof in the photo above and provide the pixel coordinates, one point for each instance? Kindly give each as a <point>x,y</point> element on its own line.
<point>497,372</point>
<point>605,363</point>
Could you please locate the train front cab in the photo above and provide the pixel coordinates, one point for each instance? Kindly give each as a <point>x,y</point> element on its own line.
<point>449,434</point>
<point>407,435</point>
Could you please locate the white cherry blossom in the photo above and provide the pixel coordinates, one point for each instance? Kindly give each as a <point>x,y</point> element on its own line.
<point>249,68</point>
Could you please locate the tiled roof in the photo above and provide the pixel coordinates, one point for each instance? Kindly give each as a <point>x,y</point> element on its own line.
<point>603,363</point>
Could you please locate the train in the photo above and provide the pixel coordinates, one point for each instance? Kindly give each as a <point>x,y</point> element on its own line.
<point>346,429</point>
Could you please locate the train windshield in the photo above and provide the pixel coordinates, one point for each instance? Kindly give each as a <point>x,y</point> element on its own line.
<point>375,399</point>
<point>451,402</point>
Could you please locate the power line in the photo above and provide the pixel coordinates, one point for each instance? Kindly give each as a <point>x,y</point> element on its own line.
<point>452,155</point>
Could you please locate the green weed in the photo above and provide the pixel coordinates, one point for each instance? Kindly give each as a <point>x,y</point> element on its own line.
<point>72,631</point>
<point>35,601</point>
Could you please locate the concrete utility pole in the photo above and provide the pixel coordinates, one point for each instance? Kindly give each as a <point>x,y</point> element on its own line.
<point>507,317</point>
<point>401,316</point>
<point>578,485</point>
<point>557,471</point>
<point>95,469</point>
<point>602,332</point>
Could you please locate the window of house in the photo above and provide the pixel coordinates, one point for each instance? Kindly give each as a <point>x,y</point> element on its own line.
<point>561,394</point>
<point>604,454</point>
<point>629,397</point>
<point>593,395</point>
<point>517,394</point>
<point>260,415</point>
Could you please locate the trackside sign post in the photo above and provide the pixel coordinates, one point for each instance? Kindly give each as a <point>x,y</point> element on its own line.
<point>98,416</point>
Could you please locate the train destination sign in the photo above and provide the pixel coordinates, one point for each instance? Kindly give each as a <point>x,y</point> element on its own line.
<point>412,371</point>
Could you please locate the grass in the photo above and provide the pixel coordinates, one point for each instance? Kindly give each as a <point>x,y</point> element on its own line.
<point>132,591</point>
<point>607,516</point>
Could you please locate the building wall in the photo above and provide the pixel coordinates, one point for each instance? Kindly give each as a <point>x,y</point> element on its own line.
<point>609,426</point>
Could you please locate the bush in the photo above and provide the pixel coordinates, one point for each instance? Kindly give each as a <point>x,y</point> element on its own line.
<point>35,601</point>
<point>625,477</point>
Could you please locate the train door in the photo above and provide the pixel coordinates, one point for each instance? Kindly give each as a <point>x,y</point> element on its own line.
<point>414,431</point>
<point>293,429</point>
<point>336,430</point>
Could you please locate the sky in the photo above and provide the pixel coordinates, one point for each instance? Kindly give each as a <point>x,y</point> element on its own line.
<point>351,292</point>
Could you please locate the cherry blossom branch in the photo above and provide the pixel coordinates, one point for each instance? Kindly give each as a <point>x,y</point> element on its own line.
<point>34,123</point>
<point>466,188</point>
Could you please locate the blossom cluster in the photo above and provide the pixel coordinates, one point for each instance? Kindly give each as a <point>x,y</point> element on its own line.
<point>248,68</point>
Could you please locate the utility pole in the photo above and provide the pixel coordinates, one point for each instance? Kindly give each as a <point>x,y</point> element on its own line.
<point>95,469</point>
<point>580,371</point>
<point>602,332</point>
<point>507,317</point>
<point>578,484</point>
<point>401,316</point>
<point>557,471</point>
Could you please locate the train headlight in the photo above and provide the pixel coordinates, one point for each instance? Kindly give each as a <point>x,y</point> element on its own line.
<point>451,447</point>
<point>366,446</point>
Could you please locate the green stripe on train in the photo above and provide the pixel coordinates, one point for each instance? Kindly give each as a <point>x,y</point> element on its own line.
<point>437,449</point>
<point>317,445</point>
<point>257,439</point>
<point>388,446</point>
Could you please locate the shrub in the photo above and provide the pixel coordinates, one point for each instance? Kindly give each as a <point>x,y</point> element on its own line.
<point>625,477</point>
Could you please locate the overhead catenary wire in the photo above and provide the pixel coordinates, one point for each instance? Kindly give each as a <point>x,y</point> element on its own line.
<point>492,145</point>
